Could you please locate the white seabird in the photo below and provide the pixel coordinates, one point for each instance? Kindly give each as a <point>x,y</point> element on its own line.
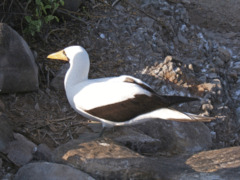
<point>116,101</point>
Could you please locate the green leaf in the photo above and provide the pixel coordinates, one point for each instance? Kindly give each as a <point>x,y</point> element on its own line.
<point>28,18</point>
<point>62,2</point>
<point>38,2</point>
<point>49,18</point>
<point>56,18</point>
<point>48,6</point>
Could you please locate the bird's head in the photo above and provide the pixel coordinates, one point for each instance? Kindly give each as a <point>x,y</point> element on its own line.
<point>69,53</point>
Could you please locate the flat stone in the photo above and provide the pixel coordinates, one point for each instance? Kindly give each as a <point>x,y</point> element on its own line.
<point>50,171</point>
<point>214,160</point>
<point>19,72</point>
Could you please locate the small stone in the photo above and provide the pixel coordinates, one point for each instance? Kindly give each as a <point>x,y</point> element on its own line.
<point>20,151</point>
<point>212,75</point>
<point>43,152</point>
<point>102,36</point>
<point>181,38</point>
<point>224,53</point>
<point>37,108</point>
<point>168,59</point>
<point>218,61</point>
<point>148,21</point>
<point>190,66</point>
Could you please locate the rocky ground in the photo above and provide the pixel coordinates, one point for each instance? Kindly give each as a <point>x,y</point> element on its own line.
<point>165,43</point>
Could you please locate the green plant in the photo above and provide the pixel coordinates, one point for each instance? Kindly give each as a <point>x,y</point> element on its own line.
<point>43,13</point>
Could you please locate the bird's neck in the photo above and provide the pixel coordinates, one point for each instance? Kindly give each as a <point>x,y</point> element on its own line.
<point>77,72</point>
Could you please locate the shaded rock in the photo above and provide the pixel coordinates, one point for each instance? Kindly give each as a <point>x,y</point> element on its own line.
<point>20,151</point>
<point>135,140</point>
<point>19,72</point>
<point>72,5</point>
<point>58,81</point>
<point>6,133</point>
<point>2,106</point>
<point>50,171</point>
<point>238,115</point>
<point>181,38</point>
<point>224,53</point>
<point>178,137</point>
<point>43,152</point>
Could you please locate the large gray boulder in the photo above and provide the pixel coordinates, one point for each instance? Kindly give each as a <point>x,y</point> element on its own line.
<point>18,70</point>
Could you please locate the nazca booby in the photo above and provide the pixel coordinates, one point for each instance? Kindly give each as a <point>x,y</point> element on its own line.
<point>116,101</point>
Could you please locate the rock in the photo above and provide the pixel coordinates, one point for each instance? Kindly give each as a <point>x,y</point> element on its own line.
<point>20,151</point>
<point>238,114</point>
<point>101,158</point>
<point>135,140</point>
<point>215,160</point>
<point>178,137</point>
<point>19,72</point>
<point>201,88</point>
<point>0,163</point>
<point>49,171</point>
<point>58,82</point>
<point>104,159</point>
<point>224,54</point>
<point>2,106</point>
<point>181,38</point>
<point>43,152</point>
<point>6,133</point>
<point>148,21</point>
<point>72,5</point>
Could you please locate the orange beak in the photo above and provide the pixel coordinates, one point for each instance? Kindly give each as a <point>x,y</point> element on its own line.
<point>58,55</point>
